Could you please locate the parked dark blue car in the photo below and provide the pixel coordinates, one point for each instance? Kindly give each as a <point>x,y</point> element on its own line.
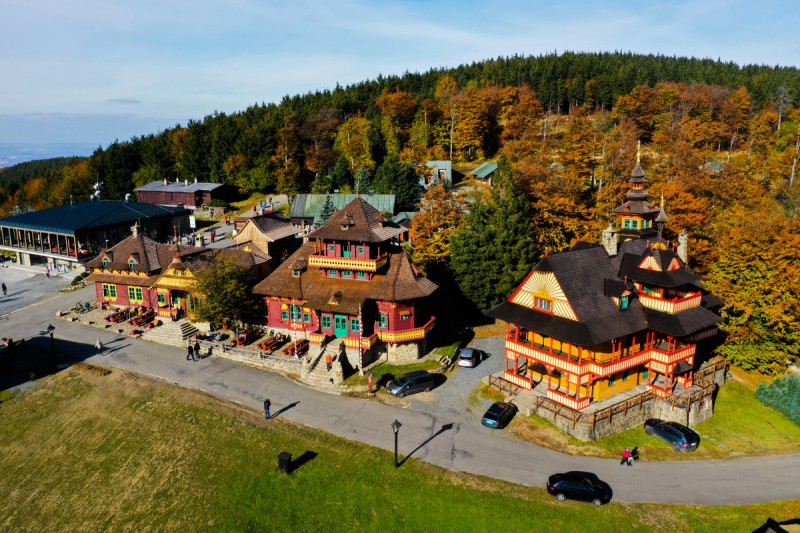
<point>680,437</point>
<point>499,415</point>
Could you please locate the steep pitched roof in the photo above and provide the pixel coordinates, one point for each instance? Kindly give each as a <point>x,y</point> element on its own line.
<point>589,278</point>
<point>143,249</point>
<point>357,221</point>
<point>398,281</point>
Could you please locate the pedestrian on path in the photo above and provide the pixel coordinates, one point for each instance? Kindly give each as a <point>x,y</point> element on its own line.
<point>267,404</point>
<point>47,271</point>
<point>627,458</point>
<point>4,289</point>
<point>99,346</point>
<point>197,349</point>
<point>369,382</point>
<point>213,235</point>
<point>329,361</point>
<point>190,353</point>
<point>227,221</point>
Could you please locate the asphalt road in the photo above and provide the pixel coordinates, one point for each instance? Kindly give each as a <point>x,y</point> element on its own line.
<point>439,433</point>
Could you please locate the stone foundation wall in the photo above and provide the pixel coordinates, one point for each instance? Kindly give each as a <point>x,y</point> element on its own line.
<point>586,427</point>
<point>405,353</point>
<point>287,365</point>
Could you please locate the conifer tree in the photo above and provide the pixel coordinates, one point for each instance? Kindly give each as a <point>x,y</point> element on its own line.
<point>362,183</point>
<point>327,210</point>
<point>496,248</point>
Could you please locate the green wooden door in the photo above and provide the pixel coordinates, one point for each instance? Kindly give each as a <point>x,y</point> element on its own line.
<point>340,325</point>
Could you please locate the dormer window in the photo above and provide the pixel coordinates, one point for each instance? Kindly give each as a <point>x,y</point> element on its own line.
<point>131,264</point>
<point>105,262</point>
<point>543,304</point>
<point>624,302</point>
<point>296,273</point>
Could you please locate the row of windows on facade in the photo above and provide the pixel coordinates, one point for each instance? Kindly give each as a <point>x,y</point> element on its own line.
<point>295,313</point>
<point>136,295</point>
<point>633,223</point>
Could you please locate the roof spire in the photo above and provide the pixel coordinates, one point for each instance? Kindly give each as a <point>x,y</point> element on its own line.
<point>638,152</point>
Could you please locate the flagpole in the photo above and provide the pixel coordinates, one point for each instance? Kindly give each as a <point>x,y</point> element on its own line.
<point>360,339</point>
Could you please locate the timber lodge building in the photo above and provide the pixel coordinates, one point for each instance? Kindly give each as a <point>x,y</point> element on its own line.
<point>598,320</point>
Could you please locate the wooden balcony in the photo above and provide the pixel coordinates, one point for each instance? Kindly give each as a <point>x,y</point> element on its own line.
<point>407,335</point>
<point>575,404</point>
<point>570,364</point>
<point>670,306</point>
<point>347,263</point>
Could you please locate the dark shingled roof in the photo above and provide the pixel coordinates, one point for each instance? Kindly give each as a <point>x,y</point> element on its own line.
<point>398,281</point>
<point>589,278</point>
<point>364,224</point>
<point>150,256</point>
<point>274,226</point>
<point>88,215</point>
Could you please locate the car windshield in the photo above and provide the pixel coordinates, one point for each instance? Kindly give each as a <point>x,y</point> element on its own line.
<point>465,354</point>
<point>401,381</point>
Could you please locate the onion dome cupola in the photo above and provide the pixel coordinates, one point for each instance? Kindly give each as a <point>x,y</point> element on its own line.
<point>636,215</point>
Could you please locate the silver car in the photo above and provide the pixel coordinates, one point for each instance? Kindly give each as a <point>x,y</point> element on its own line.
<point>470,357</point>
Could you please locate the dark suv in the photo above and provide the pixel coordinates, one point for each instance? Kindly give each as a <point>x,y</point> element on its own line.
<point>579,486</point>
<point>681,438</point>
<point>410,383</point>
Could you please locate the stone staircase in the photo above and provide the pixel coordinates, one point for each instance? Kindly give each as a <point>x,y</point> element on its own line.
<point>171,333</point>
<point>317,374</point>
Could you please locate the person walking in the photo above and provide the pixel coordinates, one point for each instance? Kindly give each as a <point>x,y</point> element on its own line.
<point>213,235</point>
<point>99,346</point>
<point>47,271</point>
<point>197,349</point>
<point>627,458</point>
<point>267,405</point>
<point>4,289</point>
<point>190,352</point>
<point>329,361</point>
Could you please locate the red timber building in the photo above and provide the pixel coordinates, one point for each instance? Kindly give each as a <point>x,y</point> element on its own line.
<point>353,282</point>
<point>139,271</point>
<point>596,321</point>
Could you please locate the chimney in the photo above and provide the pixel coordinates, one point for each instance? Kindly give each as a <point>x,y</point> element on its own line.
<point>165,181</point>
<point>135,231</point>
<point>609,240</point>
<point>186,182</point>
<point>683,246</point>
<point>195,180</point>
<point>177,180</point>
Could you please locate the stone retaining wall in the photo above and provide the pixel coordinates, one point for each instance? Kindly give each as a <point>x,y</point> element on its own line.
<point>278,363</point>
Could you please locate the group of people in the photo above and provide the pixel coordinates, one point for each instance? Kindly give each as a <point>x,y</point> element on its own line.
<point>193,351</point>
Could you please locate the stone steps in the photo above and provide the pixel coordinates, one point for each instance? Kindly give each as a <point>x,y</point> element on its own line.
<point>171,333</point>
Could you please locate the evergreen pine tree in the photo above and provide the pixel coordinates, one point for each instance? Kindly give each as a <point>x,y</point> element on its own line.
<point>361,182</point>
<point>327,210</point>
<point>496,248</point>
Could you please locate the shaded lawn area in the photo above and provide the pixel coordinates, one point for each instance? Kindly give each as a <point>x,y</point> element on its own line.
<point>382,373</point>
<point>86,451</point>
<point>741,426</point>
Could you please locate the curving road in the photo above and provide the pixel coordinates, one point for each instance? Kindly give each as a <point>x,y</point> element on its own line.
<point>439,432</point>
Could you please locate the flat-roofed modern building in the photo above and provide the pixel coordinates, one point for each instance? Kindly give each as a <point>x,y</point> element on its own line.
<point>70,234</point>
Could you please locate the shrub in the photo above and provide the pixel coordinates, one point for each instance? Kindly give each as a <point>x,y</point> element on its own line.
<point>783,395</point>
<point>216,202</point>
<point>79,278</point>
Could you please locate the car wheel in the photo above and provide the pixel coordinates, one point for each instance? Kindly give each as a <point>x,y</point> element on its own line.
<point>401,394</point>
<point>676,447</point>
<point>648,430</point>
<point>560,497</point>
<point>596,502</point>
<point>427,389</point>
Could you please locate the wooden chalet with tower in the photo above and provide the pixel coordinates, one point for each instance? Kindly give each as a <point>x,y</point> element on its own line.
<point>352,285</point>
<point>599,320</point>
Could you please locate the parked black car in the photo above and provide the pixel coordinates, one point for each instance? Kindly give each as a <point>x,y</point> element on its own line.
<point>410,383</point>
<point>499,415</point>
<point>579,486</point>
<point>681,438</point>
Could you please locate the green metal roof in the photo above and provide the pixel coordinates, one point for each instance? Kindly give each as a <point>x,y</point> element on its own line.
<point>484,169</point>
<point>310,205</point>
<point>88,215</point>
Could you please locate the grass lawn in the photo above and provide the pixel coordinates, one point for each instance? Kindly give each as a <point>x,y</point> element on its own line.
<point>741,426</point>
<point>382,373</point>
<point>89,451</point>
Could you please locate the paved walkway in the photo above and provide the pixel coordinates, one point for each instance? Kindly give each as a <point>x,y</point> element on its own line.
<point>439,439</point>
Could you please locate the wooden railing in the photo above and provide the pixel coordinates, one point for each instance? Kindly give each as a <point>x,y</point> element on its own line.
<point>407,334</point>
<point>348,263</point>
<point>670,306</point>
<point>503,385</point>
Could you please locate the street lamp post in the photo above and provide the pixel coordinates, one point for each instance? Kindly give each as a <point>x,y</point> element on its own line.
<point>396,427</point>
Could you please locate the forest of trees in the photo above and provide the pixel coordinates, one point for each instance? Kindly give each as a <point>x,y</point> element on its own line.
<point>720,144</point>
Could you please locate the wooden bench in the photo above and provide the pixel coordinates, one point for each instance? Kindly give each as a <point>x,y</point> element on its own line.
<point>297,347</point>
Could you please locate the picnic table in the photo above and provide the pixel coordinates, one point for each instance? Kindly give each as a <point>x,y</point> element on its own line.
<point>142,319</point>
<point>118,315</point>
<point>270,346</point>
<point>246,337</point>
<point>297,347</point>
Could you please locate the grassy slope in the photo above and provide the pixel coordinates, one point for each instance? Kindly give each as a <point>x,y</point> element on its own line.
<point>118,452</point>
<point>741,425</point>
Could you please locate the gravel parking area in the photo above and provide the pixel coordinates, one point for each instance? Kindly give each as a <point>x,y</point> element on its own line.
<point>449,401</point>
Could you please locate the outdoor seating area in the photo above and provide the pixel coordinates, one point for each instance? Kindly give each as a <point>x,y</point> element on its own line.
<point>298,347</point>
<point>243,338</point>
<point>142,318</point>
<point>119,315</point>
<point>273,342</point>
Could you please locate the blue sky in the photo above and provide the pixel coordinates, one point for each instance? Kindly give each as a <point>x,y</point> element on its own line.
<point>90,71</point>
